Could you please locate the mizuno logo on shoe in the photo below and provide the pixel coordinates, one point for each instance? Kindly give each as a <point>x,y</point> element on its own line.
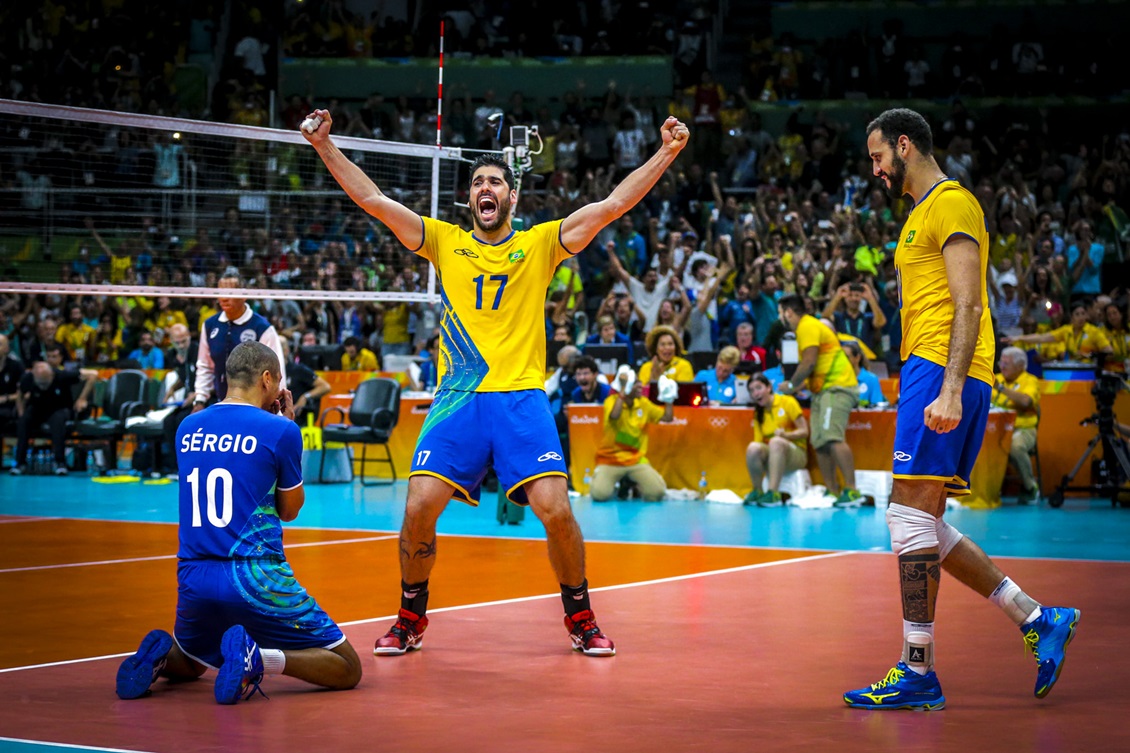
<point>879,697</point>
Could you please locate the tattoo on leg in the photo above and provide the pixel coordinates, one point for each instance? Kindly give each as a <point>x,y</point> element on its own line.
<point>919,576</point>
<point>425,549</point>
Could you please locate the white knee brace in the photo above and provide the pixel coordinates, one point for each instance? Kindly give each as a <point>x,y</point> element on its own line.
<point>911,529</point>
<point>948,536</point>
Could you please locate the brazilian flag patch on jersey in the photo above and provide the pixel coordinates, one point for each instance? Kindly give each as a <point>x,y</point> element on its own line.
<point>517,256</point>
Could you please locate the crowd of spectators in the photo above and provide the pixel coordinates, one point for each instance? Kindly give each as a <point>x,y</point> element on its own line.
<point>744,218</point>
<point>89,53</point>
<point>488,28</point>
<point>882,60</point>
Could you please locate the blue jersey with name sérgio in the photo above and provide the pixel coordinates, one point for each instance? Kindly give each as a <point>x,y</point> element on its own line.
<point>231,457</point>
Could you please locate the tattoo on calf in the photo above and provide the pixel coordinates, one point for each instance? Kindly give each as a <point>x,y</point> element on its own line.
<point>919,576</point>
<point>424,549</point>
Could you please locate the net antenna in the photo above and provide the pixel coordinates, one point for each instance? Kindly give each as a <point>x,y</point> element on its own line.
<point>87,177</point>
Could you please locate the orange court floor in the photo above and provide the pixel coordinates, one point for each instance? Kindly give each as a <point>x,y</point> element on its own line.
<point>736,629</point>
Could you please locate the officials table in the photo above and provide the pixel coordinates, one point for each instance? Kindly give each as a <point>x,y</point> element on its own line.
<point>714,439</point>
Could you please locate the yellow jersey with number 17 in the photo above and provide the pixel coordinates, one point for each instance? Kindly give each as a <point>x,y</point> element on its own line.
<point>492,331</point>
<point>946,211</point>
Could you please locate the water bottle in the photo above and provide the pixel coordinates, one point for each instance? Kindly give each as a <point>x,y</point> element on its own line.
<point>702,486</point>
<point>588,478</point>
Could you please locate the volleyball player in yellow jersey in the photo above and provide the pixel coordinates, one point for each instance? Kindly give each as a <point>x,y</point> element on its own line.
<point>491,405</point>
<point>835,393</point>
<point>947,344</point>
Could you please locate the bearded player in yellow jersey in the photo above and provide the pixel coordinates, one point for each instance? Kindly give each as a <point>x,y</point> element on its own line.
<point>491,405</point>
<point>946,385</point>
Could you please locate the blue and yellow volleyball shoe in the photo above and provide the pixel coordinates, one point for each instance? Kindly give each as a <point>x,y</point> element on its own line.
<point>902,688</point>
<point>136,673</point>
<point>1047,637</point>
<point>242,670</point>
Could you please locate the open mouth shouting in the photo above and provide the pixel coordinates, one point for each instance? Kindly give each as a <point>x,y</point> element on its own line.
<point>488,211</point>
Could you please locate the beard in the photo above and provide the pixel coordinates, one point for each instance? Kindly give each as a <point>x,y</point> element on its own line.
<point>897,177</point>
<point>501,216</point>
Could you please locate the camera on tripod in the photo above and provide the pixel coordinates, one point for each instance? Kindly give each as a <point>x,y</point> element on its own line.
<point>1109,473</point>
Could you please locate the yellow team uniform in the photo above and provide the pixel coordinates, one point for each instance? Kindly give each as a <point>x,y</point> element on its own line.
<point>366,360</point>
<point>680,370</point>
<point>1028,385</point>
<point>927,310</point>
<point>832,366</point>
<point>1082,346</point>
<point>490,405</point>
<point>781,414</point>
<point>625,439</point>
<point>498,293</point>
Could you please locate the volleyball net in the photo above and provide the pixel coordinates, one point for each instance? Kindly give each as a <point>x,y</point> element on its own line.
<point>157,206</point>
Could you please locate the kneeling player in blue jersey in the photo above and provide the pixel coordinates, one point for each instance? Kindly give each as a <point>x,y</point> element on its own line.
<point>239,608</point>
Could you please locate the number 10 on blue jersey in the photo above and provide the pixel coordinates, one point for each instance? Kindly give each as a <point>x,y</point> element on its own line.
<point>479,282</point>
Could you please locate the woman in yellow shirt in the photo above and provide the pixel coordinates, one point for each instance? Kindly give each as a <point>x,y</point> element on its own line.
<point>1119,338</point>
<point>1081,339</point>
<point>780,441</point>
<point>666,353</point>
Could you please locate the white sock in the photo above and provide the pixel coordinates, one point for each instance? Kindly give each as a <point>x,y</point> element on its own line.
<point>918,646</point>
<point>1019,606</point>
<point>274,661</point>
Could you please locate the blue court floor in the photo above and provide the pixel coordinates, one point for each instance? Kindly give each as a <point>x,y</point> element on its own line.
<point>1081,529</point>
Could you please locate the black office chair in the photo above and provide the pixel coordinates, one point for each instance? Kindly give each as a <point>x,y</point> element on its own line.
<point>126,395</point>
<point>373,415</point>
<point>702,360</point>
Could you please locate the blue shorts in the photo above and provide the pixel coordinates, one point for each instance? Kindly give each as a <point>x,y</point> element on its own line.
<point>921,453</point>
<point>261,595</point>
<point>467,431</point>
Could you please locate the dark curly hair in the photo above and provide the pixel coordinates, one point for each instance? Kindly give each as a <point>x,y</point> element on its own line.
<point>493,160</point>
<point>903,122</point>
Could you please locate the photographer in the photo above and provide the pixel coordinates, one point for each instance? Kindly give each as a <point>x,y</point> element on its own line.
<point>623,449</point>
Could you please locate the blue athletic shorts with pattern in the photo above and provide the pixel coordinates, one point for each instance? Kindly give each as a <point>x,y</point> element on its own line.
<point>922,453</point>
<point>261,595</point>
<point>467,431</point>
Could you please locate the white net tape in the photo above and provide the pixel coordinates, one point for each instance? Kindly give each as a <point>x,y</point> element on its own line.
<point>158,206</point>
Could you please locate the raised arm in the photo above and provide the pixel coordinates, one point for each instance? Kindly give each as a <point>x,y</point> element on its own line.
<point>402,221</point>
<point>580,227</point>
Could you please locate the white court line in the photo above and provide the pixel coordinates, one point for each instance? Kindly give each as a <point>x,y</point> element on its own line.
<point>173,556</point>
<point>68,745</point>
<point>500,602</point>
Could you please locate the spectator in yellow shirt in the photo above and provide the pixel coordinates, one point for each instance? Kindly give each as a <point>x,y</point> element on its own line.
<point>835,394</point>
<point>666,351</point>
<point>357,358</point>
<point>1015,389</point>
<point>780,441</point>
<point>164,319</point>
<point>1119,337</point>
<point>623,448</point>
<point>1081,339</point>
<point>75,336</point>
